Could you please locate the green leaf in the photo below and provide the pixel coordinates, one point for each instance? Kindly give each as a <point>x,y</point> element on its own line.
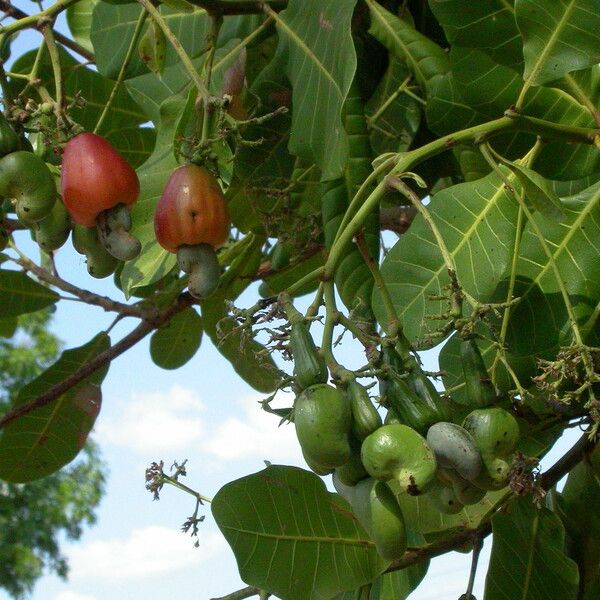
<point>539,322</point>
<point>257,170</point>
<point>250,360</point>
<point>559,36</point>
<point>111,33</point>
<point>134,143</point>
<point>176,342</point>
<point>490,88</point>
<point>8,327</point>
<point>423,57</point>
<point>79,20</point>
<point>353,278</point>
<point>83,82</point>
<point>396,585</point>
<point>528,560</point>
<point>42,441</point>
<point>447,111</point>
<point>154,262</point>
<point>152,48</point>
<point>292,537</point>
<point>393,117</point>
<point>424,521</point>
<point>320,61</point>
<point>284,278</point>
<point>524,367</point>
<point>539,192</point>
<point>21,294</point>
<point>150,91</point>
<point>477,223</point>
<point>488,25</point>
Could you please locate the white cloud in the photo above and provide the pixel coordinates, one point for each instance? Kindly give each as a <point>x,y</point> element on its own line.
<point>147,552</point>
<point>255,435</point>
<point>72,596</point>
<point>164,421</point>
<point>174,421</point>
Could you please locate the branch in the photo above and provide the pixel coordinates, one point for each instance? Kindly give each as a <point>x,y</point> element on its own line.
<point>246,592</point>
<point>86,296</point>
<point>141,331</point>
<point>396,218</point>
<point>12,11</point>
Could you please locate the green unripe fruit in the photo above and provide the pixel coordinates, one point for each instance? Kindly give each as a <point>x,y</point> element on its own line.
<point>480,391</point>
<point>323,419</point>
<point>365,418</point>
<point>398,452</point>
<point>378,512</point>
<point>444,499</point>
<point>309,365</point>
<point>113,231</point>
<point>354,470</point>
<point>466,492</point>
<point>25,179</point>
<point>202,264</point>
<point>53,231</point>
<point>496,433</point>
<point>9,141</point>
<point>315,468</point>
<point>455,448</point>
<point>100,263</point>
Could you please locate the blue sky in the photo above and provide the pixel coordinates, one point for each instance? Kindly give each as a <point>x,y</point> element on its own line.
<point>202,412</point>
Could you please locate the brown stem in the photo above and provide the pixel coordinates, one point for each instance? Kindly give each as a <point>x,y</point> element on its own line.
<point>141,331</point>
<point>109,305</point>
<point>13,11</point>
<point>246,592</point>
<point>396,218</point>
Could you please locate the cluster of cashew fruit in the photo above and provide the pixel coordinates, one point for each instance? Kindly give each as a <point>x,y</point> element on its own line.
<point>98,189</point>
<point>416,450</point>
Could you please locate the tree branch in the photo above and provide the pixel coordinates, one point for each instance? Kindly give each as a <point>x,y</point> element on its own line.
<point>15,12</point>
<point>246,592</point>
<point>104,302</point>
<point>396,218</point>
<point>141,331</point>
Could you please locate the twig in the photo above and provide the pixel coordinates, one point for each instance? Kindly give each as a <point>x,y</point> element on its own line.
<point>15,12</point>
<point>132,46</point>
<point>246,592</point>
<point>108,304</point>
<point>186,61</point>
<point>141,331</point>
<point>396,218</point>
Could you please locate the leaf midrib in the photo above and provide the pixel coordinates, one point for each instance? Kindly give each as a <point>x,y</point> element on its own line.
<point>302,538</point>
<point>549,46</point>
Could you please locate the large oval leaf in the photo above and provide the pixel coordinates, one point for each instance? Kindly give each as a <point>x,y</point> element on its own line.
<point>477,222</point>
<point>44,440</point>
<point>21,294</point>
<point>314,37</point>
<point>176,342</point>
<point>292,537</point>
<point>528,559</point>
<point>559,36</point>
